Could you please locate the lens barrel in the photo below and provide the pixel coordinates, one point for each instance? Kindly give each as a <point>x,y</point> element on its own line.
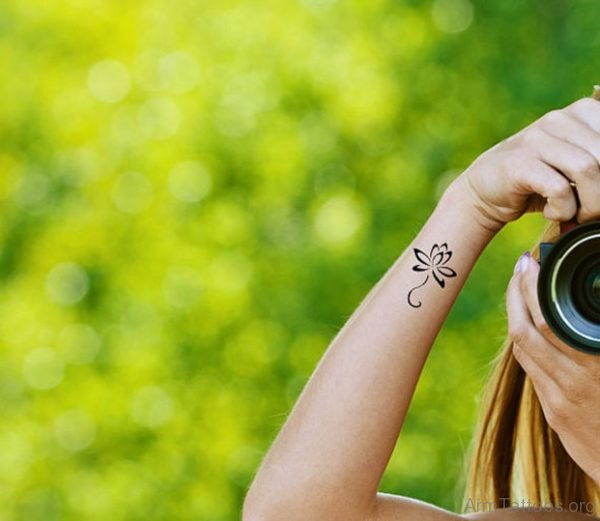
<point>569,287</point>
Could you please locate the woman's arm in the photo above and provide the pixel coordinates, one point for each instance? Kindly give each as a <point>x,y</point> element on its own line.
<point>327,462</point>
<point>328,459</point>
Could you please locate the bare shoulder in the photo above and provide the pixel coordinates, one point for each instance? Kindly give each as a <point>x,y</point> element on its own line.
<point>390,507</point>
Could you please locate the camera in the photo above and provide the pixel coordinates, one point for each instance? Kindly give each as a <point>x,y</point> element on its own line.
<point>569,286</point>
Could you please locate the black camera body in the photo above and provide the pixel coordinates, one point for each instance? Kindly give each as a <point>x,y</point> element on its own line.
<point>569,286</point>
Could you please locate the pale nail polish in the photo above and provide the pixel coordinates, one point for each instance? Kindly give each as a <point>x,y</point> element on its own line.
<point>522,262</point>
<point>518,265</point>
<point>525,261</point>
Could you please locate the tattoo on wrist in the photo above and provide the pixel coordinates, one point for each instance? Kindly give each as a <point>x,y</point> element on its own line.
<point>434,265</point>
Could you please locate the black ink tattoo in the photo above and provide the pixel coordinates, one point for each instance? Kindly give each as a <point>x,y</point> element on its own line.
<point>435,264</point>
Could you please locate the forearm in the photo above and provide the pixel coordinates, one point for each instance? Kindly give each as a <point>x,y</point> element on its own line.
<point>329,457</point>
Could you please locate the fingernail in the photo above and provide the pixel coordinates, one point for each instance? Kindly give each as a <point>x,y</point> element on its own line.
<point>518,265</point>
<point>522,262</point>
<point>526,261</point>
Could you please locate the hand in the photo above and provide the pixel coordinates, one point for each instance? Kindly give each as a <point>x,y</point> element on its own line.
<point>532,170</point>
<point>566,381</point>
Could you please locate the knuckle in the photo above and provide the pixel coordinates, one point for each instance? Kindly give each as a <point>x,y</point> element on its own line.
<point>517,350</point>
<point>515,161</point>
<point>520,356</point>
<point>518,333</point>
<point>561,188</point>
<point>532,135</point>
<point>553,119</point>
<point>583,104</point>
<point>574,392</point>
<point>558,410</point>
<point>587,166</point>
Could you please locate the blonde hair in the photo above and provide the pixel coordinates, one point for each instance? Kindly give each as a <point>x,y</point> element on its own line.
<point>515,454</point>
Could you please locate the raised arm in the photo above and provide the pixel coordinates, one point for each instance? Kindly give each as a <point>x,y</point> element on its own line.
<point>340,435</point>
<point>328,459</point>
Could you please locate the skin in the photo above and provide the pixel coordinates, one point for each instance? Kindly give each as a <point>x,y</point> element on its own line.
<point>566,381</point>
<point>328,459</point>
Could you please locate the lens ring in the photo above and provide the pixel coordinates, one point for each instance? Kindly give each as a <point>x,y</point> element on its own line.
<point>592,287</point>
<point>587,277</point>
<point>561,265</point>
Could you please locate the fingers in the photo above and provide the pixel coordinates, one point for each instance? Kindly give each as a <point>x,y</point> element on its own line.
<point>581,167</point>
<point>587,110</point>
<point>539,178</point>
<point>572,147</point>
<point>567,361</point>
<point>523,334</point>
<point>539,358</point>
<point>562,354</point>
<point>574,126</point>
<point>546,388</point>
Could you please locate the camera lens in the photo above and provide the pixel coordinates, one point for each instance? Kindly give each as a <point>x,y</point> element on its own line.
<point>592,287</point>
<point>586,289</point>
<point>595,287</point>
<point>569,287</point>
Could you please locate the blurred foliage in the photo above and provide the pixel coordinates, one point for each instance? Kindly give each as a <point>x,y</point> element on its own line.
<point>196,195</point>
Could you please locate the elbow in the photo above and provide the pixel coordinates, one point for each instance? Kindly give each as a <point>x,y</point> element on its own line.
<point>267,505</point>
<point>299,507</point>
<point>255,510</point>
<point>255,507</point>
<point>250,512</point>
<point>298,500</point>
<point>250,515</point>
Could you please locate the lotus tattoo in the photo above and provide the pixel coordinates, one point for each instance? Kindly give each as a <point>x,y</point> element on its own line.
<point>434,264</point>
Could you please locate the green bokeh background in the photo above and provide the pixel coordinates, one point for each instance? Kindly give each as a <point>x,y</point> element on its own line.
<point>194,198</point>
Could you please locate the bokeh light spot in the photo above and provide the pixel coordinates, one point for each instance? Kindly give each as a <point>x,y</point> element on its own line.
<point>146,69</point>
<point>159,118</point>
<point>42,368</point>
<point>32,189</point>
<point>452,16</point>
<point>151,407</point>
<point>230,272</point>
<point>67,283</point>
<point>339,219</point>
<point>75,430</point>
<point>179,71</point>
<point>189,181</point>
<point>315,5</point>
<point>17,454</point>
<point>253,349</point>
<point>80,343</point>
<point>89,494</point>
<point>182,287</point>
<point>109,81</point>
<point>132,192</point>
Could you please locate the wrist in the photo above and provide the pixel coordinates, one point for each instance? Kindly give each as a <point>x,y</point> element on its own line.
<point>461,194</point>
